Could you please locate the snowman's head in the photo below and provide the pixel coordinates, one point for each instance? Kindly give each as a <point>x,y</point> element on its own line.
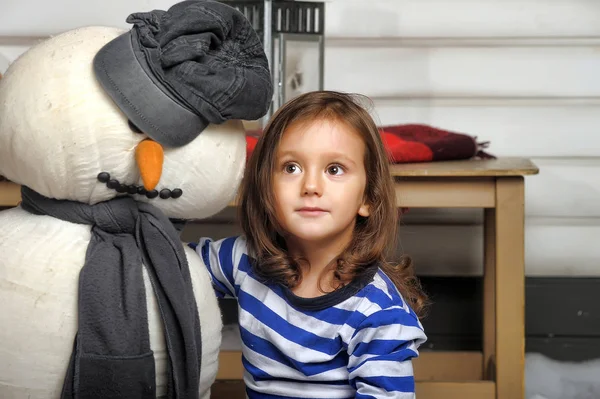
<point>64,135</point>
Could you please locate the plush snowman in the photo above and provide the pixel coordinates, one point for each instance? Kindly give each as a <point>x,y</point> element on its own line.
<point>82,129</point>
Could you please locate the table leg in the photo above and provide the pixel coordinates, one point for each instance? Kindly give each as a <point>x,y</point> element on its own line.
<point>510,288</point>
<point>489,294</point>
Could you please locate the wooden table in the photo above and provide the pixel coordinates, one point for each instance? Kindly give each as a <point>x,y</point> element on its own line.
<point>497,186</point>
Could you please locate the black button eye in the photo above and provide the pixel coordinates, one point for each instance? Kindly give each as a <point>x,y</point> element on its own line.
<point>134,128</point>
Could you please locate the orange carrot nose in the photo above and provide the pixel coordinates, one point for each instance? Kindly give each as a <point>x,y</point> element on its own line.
<point>149,156</point>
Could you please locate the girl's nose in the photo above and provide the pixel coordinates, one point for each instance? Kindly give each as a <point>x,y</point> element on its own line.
<point>312,184</point>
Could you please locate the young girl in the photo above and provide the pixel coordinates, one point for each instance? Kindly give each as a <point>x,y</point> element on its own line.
<point>322,314</point>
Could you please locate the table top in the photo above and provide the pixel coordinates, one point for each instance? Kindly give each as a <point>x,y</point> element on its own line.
<point>10,192</point>
<point>467,168</point>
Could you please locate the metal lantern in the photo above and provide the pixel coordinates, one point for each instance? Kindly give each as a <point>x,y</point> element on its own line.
<point>282,24</point>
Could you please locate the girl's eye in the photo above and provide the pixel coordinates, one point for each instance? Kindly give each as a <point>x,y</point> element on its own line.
<point>335,170</point>
<point>291,168</point>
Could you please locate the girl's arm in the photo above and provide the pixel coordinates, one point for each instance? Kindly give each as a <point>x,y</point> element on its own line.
<point>224,259</point>
<point>381,352</point>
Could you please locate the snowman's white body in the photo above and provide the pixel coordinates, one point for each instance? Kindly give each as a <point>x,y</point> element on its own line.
<point>58,130</point>
<point>40,264</point>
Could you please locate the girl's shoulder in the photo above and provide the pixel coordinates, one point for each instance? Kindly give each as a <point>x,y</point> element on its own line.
<point>380,294</point>
<point>229,252</point>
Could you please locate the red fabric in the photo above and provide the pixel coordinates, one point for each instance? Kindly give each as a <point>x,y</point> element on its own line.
<point>250,144</point>
<point>416,143</point>
<point>403,142</point>
<point>401,150</point>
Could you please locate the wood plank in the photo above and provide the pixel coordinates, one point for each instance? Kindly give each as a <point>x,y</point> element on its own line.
<point>425,390</point>
<point>230,366</point>
<point>473,343</point>
<point>448,366</point>
<point>503,72</point>
<point>496,72</point>
<point>401,18</point>
<point>443,19</point>
<point>554,247</point>
<point>456,390</point>
<point>574,313</point>
<point>10,193</point>
<point>489,295</point>
<point>510,288</point>
<point>11,50</point>
<point>578,197</point>
<point>514,127</point>
<point>454,321</point>
<point>395,42</point>
<point>563,247</point>
<point>441,342</point>
<point>448,193</point>
<point>444,192</point>
<point>421,194</point>
<point>230,389</point>
<point>579,193</point>
<point>509,166</point>
<point>5,60</point>
<point>438,366</point>
<point>566,349</point>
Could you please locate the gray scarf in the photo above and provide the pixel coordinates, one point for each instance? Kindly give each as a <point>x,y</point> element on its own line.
<point>111,356</point>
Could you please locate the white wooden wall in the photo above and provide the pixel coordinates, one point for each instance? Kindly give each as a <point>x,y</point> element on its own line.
<point>523,74</point>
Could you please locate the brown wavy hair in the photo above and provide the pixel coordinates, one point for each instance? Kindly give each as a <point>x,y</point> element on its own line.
<point>374,236</point>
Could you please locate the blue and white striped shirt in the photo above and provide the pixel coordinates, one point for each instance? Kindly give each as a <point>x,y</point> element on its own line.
<point>356,342</point>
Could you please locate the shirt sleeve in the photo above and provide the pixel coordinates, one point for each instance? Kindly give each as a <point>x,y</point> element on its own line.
<point>223,259</point>
<point>381,352</point>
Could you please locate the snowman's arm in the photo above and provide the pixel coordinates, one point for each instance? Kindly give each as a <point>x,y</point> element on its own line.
<point>224,259</point>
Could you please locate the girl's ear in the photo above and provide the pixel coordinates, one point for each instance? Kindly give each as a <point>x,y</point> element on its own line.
<point>364,210</point>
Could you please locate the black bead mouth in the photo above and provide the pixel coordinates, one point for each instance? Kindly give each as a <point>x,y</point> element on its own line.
<point>132,189</point>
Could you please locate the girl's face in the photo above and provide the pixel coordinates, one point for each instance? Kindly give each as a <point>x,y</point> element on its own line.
<point>319,181</point>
